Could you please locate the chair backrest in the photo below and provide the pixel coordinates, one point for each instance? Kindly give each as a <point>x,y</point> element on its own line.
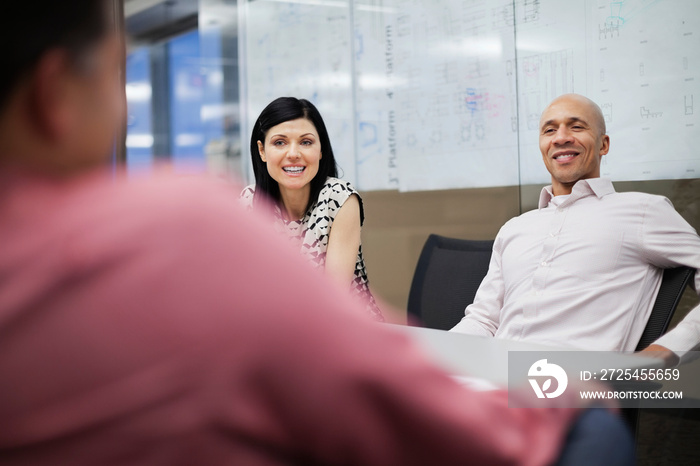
<point>448,273</point>
<point>672,286</point>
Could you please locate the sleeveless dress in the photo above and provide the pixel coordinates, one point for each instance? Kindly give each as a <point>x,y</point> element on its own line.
<point>311,233</point>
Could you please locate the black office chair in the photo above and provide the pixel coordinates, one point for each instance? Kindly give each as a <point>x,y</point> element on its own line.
<point>448,273</point>
<point>672,287</point>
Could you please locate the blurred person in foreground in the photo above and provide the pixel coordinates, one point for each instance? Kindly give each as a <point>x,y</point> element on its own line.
<point>322,215</point>
<point>142,323</point>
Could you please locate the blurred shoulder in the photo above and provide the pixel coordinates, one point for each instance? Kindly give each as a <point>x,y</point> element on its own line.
<point>185,194</point>
<point>159,205</point>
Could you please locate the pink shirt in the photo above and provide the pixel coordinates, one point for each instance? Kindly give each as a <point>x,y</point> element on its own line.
<point>583,272</point>
<point>156,322</point>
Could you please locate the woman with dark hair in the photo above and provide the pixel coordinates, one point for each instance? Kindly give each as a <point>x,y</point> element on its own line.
<point>294,167</point>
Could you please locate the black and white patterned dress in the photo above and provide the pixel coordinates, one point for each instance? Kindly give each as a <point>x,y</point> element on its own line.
<point>312,231</point>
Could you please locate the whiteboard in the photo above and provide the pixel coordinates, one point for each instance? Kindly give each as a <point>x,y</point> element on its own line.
<point>300,49</point>
<point>456,103</point>
<point>638,59</point>
<point>644,70</point>
<point>444,94</point>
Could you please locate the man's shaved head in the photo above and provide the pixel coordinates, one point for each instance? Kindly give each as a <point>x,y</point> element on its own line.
<point>599,119</point>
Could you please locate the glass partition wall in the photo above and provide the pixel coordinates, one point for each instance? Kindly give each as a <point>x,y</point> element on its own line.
<point>182,87</point>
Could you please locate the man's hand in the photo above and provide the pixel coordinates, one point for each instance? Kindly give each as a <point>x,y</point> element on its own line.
<point>670,358</point>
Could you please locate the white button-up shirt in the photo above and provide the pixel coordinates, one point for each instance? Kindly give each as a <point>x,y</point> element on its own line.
<point>582,271</point>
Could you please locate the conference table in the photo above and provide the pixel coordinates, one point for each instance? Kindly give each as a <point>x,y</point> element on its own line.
<point>485,359</point>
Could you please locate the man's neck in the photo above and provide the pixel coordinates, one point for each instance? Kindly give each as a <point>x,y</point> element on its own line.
<point>562,189</point>
<point>559,189</point>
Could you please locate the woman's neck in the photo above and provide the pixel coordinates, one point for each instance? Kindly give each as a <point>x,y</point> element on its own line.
<point>294,202</point>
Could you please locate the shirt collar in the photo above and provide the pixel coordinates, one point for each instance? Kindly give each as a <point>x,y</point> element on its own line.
<point>593,186</point>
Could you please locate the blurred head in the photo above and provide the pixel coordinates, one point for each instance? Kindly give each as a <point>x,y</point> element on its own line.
<point>290,150</point>
<point>572,141</point>
<point>60,100</point>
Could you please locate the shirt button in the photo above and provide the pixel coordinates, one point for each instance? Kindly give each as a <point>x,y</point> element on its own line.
<point>552,235</point>
<point>543,264</point>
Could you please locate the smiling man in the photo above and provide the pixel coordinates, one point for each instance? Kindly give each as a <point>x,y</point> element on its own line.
<point>584,268</point>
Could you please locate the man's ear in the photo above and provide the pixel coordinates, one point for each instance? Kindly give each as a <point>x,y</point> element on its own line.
<point>50,94</point>
<point>261,151</point>
<point>605,145</point>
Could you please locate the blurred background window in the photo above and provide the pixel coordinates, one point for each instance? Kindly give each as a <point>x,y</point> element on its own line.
<point>182,86</point>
